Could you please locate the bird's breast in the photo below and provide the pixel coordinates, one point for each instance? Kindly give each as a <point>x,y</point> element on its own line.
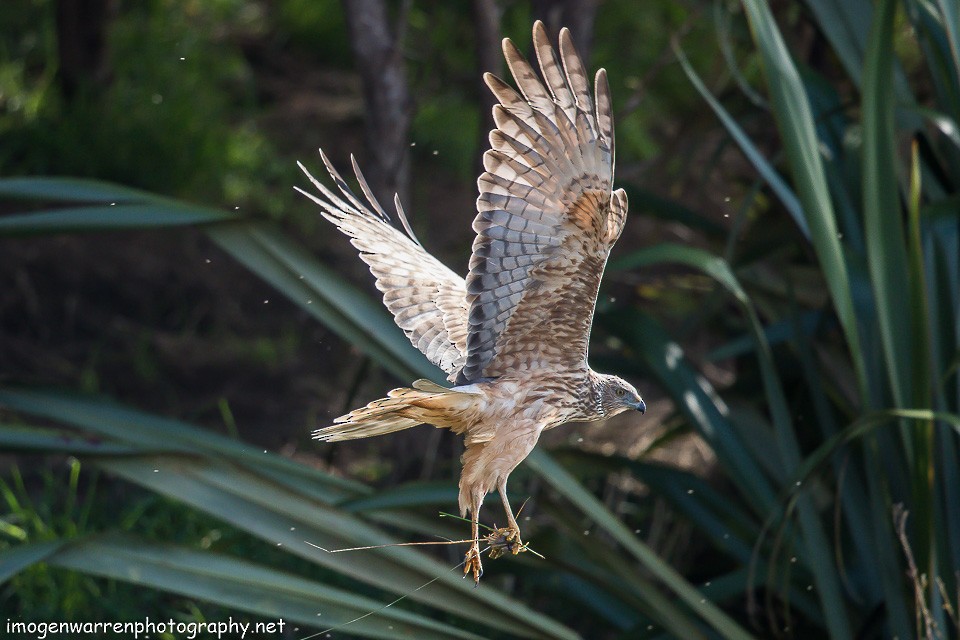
<point>542,400</point>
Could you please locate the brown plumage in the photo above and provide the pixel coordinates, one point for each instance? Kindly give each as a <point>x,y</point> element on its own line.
<point>512,337</point>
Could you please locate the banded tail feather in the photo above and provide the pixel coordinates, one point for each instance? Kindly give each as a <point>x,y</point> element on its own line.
<point>425,403</point>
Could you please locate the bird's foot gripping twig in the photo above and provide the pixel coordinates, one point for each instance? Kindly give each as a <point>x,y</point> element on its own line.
<point>472,564</point>
<point>503,540</point>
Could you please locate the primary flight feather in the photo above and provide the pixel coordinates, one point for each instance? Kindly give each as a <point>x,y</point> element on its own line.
<point>513,336</point>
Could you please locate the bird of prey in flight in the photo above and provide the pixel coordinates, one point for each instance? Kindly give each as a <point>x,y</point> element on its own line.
<point>513,336</point>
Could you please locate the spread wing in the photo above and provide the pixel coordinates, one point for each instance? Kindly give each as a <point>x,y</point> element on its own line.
<point>547,216</point>
<point>427,300</point>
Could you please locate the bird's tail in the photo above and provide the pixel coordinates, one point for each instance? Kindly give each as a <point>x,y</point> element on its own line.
<point>401,409</point>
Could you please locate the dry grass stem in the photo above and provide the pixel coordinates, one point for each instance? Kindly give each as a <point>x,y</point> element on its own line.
<point>926,626</point>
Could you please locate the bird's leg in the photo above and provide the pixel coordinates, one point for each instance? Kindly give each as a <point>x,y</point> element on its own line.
<point>513,538</point>
<point>472,562</point>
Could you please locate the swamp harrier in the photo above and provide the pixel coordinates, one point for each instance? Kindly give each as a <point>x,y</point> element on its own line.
<point>513,336</point>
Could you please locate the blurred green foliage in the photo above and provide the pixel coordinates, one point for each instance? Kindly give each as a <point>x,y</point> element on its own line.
<point>176,116</point>
<point>180,112</point>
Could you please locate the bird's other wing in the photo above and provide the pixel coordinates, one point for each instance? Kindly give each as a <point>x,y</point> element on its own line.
<point>547,215</point>
<point>427,300</point>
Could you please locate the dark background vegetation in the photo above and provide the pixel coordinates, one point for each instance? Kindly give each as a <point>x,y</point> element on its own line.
<point>213,102</point>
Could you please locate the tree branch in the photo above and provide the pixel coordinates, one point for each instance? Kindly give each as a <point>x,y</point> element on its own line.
<point>386,95</point>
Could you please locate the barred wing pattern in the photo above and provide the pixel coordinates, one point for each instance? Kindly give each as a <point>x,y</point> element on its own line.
<point>427,300</point>
<point>547,216</point>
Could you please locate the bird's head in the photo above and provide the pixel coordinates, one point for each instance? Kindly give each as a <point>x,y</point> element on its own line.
<point>615,395</point>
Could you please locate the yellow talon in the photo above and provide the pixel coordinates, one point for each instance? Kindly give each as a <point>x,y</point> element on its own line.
<point>473,565</point>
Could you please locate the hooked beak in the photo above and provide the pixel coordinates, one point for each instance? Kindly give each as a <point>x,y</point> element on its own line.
<point>641,407</point>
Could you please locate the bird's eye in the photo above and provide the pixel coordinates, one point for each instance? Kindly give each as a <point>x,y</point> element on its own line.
<point>620,392</point>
